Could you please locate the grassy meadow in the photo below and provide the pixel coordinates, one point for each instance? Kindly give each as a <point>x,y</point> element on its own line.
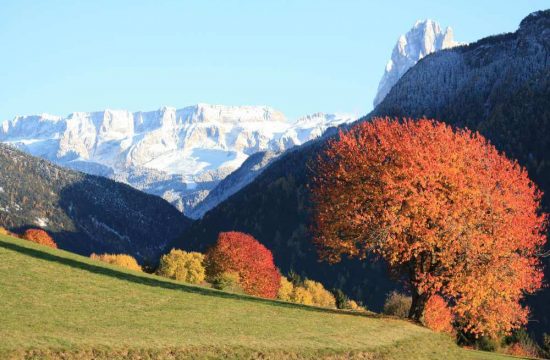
<point>55,304</point>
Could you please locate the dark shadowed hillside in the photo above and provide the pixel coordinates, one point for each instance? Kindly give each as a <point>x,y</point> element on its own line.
<point>498,85</point>
<point>83,213</point>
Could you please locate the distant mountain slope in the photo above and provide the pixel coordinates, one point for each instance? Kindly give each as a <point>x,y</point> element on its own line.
<point>424,38</point>
<point>245,174</point>
<point>84,213</point>
<point>505,93</point>
<point>178,154</point>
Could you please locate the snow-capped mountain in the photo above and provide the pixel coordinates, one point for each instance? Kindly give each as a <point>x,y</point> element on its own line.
<point>424,38</point>
<point>179,154</point>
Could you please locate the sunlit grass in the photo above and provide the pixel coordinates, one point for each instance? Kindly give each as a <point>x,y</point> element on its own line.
<point>54,303</point>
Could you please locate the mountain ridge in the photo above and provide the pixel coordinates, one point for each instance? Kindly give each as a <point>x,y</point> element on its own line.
<point>178,154</point>
<point>84,213</point>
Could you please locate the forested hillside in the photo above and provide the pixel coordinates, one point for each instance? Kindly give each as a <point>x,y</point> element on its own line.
<point>83,213</point>
<point>499,85</point>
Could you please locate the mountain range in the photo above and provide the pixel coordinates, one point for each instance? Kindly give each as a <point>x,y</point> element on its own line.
<point>178,154</point>
<point>246,168</point>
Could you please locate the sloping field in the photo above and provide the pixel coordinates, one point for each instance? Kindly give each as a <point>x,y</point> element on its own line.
<point>55,304</point>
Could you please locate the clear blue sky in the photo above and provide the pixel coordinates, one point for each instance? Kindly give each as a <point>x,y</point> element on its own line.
<point>297,56</point>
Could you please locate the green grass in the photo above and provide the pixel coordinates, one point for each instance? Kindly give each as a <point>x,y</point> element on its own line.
<point>54,304</point>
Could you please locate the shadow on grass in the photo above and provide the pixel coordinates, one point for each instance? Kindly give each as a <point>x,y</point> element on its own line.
<point>149,281</point>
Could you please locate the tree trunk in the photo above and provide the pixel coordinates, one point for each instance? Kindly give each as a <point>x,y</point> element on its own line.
<point>419,300</point>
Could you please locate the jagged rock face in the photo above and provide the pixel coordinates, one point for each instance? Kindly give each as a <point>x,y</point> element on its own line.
<point>178,154</point>
<point>424,38</point>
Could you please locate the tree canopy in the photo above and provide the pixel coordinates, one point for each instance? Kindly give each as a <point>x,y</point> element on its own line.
<point>449,214</point>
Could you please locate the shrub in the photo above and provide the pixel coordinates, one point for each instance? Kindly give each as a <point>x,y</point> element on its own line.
<point>319,295</point>
<point>354,306</point>
<point>302,296</point>
<point>486,343</point>
<point>122,260</point>
<point>183,266</point>
<point>438,316</point>
<point>228,281</point>
<point>521,350</point>
<point>397,305</point>
<point>242,254</point>
<point>40,237</point>
<point>286,289</point>
<point>4,231</point>
<point>342,301</point>
<point>546,345</point>
<point>521,344</point>
<point>306,292</point>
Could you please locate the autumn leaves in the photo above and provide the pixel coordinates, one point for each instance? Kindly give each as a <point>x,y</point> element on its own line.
<point>448,213</point>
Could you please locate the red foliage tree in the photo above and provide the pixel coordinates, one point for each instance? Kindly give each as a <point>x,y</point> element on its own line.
<point>443,207</point>
<point>40,237</point>
<point>240,253</point>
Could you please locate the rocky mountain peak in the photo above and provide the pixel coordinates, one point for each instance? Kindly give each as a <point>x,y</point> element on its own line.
<point>425,37</point>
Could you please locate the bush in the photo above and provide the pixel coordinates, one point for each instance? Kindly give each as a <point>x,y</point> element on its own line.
<point>286,289</point>
<point>397,305</point>
<point>546,345</point>
<point>122,260</point>
<point>183,266</point>
<point>342,301</point>
<point>320,296</point>
<point>302,296</point>
<point>438,316</point>
<point>306,292</point>
<point>486,343</point>
<point>240,253</point>
<point>40,237</point>
<point>354,306</point>
<point>4,231</point>
<point>228,281</point>
<point>521,344</point>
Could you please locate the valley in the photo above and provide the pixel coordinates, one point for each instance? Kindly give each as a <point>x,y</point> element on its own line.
<point>418,230</point>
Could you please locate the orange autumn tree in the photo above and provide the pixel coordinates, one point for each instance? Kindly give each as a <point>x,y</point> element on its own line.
<point>240,253</point>
<point>39,236</point>
<point>438,316</point>
<point>449,214</point>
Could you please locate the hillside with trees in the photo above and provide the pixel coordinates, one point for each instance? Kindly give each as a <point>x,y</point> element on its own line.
<point>83,213</point>
<point>504,93</point>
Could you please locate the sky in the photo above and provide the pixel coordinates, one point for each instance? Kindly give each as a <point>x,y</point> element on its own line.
<point>299,57</point>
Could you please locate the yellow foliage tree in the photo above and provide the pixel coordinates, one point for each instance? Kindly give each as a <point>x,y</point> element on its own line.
<point>286,290</point>
<point>183,266</point>
<point>4,231</point>
<point>354,306</point>
<point>122,260</point>
<point>320,295</point>
<point>301,295</point>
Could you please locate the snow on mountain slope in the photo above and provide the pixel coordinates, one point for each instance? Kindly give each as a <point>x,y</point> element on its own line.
<point>179,154</point>
<point>424,38</point>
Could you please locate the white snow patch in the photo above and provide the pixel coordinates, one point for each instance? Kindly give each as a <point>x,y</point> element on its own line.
<point>42,222</point>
